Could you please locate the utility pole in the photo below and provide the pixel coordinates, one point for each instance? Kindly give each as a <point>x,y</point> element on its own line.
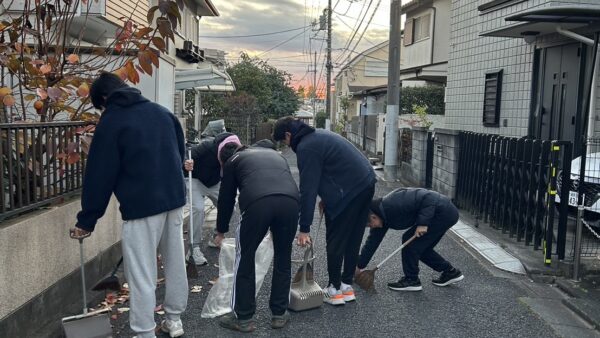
<point>329,64</point>
<point>393,93</point>
<point>314,94</point>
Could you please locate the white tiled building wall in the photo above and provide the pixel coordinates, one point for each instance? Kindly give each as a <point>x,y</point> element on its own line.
<point>471,56</point>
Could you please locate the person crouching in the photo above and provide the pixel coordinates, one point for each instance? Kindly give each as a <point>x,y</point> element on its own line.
<point>426,214</point>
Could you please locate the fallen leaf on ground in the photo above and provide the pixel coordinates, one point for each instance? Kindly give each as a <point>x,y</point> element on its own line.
<point>160,281</point>
<point>114,317</point>
<point>125,286</point>
<point>216,266</point>
<point>158,308</point>
<point>160,313</point>
<point>123,309</point>
<point>196,289</point>
<point>213,282</point>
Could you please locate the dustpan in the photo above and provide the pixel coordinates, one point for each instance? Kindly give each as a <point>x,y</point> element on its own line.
<point>87,325</point>
<point>305,294</point>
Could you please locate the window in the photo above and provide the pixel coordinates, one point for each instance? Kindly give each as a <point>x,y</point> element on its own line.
<point>417,29</point>
<point>421,27</point>
<point>376,68</point>
<point>492,99</point>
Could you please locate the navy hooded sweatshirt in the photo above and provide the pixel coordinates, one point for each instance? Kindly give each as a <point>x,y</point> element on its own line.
<point>404,208</point>
<point>330,167</point>
<point>137,153</point>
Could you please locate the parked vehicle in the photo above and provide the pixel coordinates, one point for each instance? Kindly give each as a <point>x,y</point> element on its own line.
<point>591,188</point>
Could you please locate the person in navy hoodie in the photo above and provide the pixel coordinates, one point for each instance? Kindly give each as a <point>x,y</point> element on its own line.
<point>426,214</point>
<point>137,153</point>
<point>332,168</point>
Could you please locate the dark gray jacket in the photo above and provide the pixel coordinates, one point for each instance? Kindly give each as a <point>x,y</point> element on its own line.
<point>256,173</point>
<point>407,207</point>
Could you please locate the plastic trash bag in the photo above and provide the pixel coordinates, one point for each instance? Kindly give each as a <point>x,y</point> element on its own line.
<point>218,301</point>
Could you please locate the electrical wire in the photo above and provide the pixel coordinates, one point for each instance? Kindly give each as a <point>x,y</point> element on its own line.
<point>253,35</point>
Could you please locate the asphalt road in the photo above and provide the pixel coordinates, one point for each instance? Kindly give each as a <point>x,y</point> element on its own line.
<point>485,304</point>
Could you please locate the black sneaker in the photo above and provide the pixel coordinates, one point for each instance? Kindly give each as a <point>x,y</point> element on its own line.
<point>449,277</point>
<point>230,321</point>
<point>278,322</point>
<point>405,284</point>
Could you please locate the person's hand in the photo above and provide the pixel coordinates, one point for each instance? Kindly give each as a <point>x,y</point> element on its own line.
<point>219,237</point>
<point>189,165</point>
<point>304,239</point>
<point>358,271</point>
<point>321,207</point>
<point>77,233</point>
<point>421,230</point>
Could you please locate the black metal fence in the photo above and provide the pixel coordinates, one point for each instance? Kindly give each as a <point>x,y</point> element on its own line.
<point>40,163</point>
<point>512,184</point>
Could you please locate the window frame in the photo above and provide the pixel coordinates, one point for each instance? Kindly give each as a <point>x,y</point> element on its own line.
<point>490,76</point>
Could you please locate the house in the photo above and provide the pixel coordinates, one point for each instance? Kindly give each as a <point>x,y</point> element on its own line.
<point>426,41</point>
<point>519,68</point>
<point>367,69</point>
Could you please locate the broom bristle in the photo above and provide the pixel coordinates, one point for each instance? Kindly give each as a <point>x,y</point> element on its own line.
<point>365,279</point>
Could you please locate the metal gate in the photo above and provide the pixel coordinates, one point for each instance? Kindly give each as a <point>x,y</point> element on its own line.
<point>513,184</point>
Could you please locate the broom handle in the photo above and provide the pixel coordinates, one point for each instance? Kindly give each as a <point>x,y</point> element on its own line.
<point>396,251</point>
<point>82,262</point>
<point>191,206</point>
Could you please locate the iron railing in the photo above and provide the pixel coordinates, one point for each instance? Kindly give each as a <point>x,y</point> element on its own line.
<point>512,184</point>
<point>40,164</point>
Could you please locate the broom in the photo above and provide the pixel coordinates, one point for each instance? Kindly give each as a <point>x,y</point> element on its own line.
<point>366,278</point>
<point>190,269</point>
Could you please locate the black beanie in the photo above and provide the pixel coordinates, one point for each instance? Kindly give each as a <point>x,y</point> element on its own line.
<point>375,207</point>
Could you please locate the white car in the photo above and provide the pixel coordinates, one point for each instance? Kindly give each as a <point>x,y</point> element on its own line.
<point>591,188</point>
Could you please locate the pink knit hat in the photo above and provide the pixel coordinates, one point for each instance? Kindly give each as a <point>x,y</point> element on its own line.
<point>231,139</point>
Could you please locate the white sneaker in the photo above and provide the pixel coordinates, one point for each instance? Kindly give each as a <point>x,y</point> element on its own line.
<point>173,328</point>
<point>211,242</point>
<point>348,293</point>
<point>198,256</point>
<point>333,296</point>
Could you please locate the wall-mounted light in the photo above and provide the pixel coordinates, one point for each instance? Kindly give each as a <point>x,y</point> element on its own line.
<point>530,36</point>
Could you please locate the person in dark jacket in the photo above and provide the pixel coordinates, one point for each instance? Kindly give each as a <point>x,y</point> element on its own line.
<point>332,168</point>
<point>426,214</point>
<point>137,153</point>
<point>268,200</point>
<point>206,177</point>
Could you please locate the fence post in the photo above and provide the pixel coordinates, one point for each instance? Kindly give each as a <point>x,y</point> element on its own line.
<point>555,149</point>
<point>577,251</point>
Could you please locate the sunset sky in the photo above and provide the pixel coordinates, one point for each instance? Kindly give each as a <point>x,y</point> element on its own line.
<point>242,18</point>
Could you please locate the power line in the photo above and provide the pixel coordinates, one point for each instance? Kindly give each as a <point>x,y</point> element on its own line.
<point>367,26</point>
<point>282,43</point>
<point>253,35</point>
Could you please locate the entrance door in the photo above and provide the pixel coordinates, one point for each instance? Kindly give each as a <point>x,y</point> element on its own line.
<point>559,119</point>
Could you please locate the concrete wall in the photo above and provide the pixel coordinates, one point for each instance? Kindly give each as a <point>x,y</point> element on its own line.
<point>415,174</point>
<point>445,161</point>
<point>36,251</point>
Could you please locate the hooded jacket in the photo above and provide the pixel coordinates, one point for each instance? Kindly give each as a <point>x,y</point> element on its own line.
<point>330,167</point>
<point>137,153</point>
<point>207,168</point>
<point>407,207</point>
<point>256,173</point>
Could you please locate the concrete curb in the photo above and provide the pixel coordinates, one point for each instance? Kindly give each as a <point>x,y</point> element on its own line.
<point>489,250</point>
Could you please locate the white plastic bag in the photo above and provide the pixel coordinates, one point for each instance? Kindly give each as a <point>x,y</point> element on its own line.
<point>218,301</point>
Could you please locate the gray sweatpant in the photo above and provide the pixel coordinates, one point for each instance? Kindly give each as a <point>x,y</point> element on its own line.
<point>140,240</point>
<point>199,192</point>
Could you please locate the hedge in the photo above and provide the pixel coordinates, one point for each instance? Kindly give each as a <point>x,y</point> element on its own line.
<point>430,96</point>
